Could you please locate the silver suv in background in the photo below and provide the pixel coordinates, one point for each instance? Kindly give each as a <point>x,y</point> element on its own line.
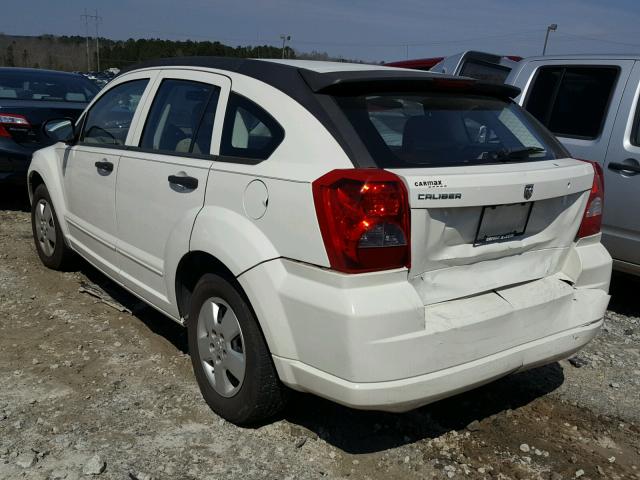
<point>590,102</point>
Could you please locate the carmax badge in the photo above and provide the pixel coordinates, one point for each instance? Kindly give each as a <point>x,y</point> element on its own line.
<point>528,191</point>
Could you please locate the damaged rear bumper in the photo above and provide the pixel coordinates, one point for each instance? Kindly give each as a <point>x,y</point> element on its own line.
<point>368,341</point>
<point>410,393</point>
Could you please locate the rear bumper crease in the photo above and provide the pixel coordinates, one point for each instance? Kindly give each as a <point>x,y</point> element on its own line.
<point>370,341</point>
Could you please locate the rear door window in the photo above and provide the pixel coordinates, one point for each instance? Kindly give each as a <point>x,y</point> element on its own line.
<point>572,101</point>
<point>181,118</point>
<point>109,120</point>
<point>446,129</point>
<point>249,131</point>
<point>635,132</point>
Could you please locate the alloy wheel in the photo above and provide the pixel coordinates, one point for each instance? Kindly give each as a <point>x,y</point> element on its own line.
<point>221,347</point>
<point>45,227</point>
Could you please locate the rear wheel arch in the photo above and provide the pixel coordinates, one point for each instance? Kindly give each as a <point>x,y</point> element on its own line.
<point>259,291</point>
<point>191,268</point>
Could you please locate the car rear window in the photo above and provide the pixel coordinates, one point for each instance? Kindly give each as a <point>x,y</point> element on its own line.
<point>572,101</point>
<point>485,71</point>
<point>409,130</point>
<point>249,131</point>
<point>25,85</point>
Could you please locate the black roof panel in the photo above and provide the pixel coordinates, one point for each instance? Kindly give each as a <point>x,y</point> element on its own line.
<point>290,78</point>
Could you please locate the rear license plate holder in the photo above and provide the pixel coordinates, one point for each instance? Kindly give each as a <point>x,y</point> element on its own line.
<point>499,223</point>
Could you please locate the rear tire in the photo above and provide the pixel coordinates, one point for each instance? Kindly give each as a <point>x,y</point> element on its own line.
<point>47,234</point>
<point>230,358</point>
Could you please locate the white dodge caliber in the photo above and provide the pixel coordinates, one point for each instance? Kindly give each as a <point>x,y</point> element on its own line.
<point>380,237</point>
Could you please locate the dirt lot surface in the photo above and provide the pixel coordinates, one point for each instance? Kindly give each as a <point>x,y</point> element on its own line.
<point>89,392</point>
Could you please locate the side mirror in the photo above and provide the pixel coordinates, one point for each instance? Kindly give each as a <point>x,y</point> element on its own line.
<point>59,129</point>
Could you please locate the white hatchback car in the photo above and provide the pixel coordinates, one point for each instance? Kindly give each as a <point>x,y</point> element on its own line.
<point>380,237</point>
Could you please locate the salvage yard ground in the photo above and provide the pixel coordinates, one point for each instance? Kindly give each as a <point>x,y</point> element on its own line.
<point>86,390</point>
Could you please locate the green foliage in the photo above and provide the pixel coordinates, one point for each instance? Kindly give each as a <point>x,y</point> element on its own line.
<point>70,52</point>
<point>124,53</point>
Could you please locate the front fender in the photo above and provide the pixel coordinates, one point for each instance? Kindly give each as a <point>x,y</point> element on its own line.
<point>46,163</point>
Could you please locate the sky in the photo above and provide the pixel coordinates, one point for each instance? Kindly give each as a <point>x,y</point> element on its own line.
<point>369,30</point>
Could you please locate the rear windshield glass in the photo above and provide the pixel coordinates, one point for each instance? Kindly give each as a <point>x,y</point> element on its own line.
<point>407,130</point>
<point>485,71</point>
<point>21,85</point>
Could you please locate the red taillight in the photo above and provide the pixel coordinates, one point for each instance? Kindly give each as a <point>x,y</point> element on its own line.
<point>592,218</point>
<point>364,219</point>
<point>12,120</point>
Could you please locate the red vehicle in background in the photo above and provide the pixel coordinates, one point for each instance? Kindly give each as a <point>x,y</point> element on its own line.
<point>480,65</point>
<point>417,64</point>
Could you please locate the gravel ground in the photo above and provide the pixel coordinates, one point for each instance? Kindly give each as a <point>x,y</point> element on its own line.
<point>89,392</point>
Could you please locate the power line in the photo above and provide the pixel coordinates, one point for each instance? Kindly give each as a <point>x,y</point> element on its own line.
<point>420,43</point>
<point>85,17</point>
<point>405,46</point>
<point>97,20</point>
<point>351,44</point>
<point>596,39</point>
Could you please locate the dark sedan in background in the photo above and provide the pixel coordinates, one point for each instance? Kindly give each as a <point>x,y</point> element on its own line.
<point>28,98</point>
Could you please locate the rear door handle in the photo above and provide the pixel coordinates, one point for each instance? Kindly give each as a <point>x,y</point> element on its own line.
<point>183,182</point>
<point>632,168</point>
<point>104,166</point>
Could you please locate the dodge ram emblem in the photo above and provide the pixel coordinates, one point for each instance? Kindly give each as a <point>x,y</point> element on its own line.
<point>528,191</point>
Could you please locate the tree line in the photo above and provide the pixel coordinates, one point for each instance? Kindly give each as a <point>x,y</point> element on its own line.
<point>69,52</point>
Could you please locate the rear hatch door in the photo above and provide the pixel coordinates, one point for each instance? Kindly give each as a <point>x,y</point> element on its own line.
<point>483,227</point>
<point>495,199</point>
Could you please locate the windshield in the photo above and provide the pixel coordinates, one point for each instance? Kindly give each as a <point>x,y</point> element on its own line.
<point>26,85</point>
<point>446,129</point>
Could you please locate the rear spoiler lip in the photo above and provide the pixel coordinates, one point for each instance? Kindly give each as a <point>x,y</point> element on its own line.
<point>369,81</point>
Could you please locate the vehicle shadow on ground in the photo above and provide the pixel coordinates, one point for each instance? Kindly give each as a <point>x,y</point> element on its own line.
<point>154,320</point>
<point>358,432</point>
<point>14,198</point>
<point>624,292</point>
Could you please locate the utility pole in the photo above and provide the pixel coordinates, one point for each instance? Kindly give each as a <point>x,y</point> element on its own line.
<point>85,17</point>
<point>551,28</point>
<point>285,38</point>
<point>98,21</point>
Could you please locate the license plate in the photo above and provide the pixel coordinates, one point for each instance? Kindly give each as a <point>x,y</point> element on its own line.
<point>502,222</point>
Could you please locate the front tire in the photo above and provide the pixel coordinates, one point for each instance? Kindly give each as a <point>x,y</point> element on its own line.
<point>47,234</point>
<point>230,358</point>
